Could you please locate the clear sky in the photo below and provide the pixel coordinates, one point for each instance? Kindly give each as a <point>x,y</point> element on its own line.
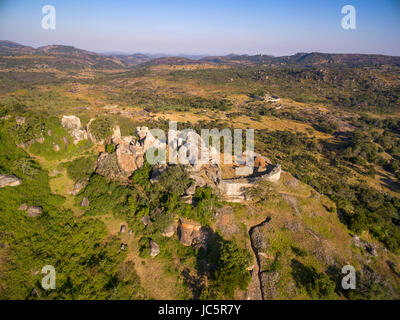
<point>279,27</point>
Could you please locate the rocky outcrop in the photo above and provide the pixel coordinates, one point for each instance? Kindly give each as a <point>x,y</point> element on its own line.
<point>9,181</point>
<point>130,155</point>
<point>156,172</point>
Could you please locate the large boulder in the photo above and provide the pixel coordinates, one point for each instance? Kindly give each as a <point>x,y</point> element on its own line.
<point>188,231</point>
<point>71,122</point>
<point>154,248</point>
<point>169,231</point>
<point>34,211</point>
<point>9,181</point>
<point>130,157</point>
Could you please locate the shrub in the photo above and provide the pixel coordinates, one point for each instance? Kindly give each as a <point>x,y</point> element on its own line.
<point>101,128</point>
<point>81,168</point>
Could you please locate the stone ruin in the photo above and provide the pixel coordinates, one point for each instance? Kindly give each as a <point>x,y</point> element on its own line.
<point>130,154</point>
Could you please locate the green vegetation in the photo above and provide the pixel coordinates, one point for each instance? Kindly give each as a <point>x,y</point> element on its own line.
<point>81,168</point>
<point>101,127</point>
<point>230,274</point>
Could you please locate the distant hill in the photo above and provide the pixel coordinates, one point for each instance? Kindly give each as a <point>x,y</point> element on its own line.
<point>55,56</point>
<point>309,59</point>
<point>68,57</point>
<point>173,61</point>
<point>132,59</point>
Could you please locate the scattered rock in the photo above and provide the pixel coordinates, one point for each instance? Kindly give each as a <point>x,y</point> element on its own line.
<point>20,120</point>
<point>49,132</point>
<point>9,181</point>
<point>34,211</point>
<point>79,135</point>
<point>40,140</point>
<point>130,232</point>
<point>79,186</point>
<point>56,147</point>
<point>292,183</point>
<point>146,220</point>
<point>23,207</point>
<point>123,246</point>
<point>154,248</point>
<point>85,202</point>
<point>66,142</point>
<point>169,231</point>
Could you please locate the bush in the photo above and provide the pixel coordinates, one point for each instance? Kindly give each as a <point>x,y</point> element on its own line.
<point>101,128</point>
<point>175,179</point>
<point>231,271</point>
<point>81,168</point>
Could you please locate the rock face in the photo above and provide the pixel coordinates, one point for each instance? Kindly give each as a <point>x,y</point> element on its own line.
<point>9,181</point>
<point>34,211</point>
<point>154,248</point>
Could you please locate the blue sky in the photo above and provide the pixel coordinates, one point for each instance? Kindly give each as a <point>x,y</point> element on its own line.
<point>206,27</point>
